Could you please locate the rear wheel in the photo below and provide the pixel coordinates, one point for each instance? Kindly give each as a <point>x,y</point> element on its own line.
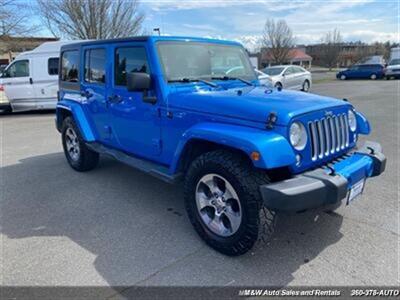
<point>223,201</point>
<point>373,76</point>
<point>78,155</point>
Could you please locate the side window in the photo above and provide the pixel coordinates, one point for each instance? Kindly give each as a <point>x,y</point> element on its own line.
<point>19,68</point>
<point>289,71</point>
<point>70,66</point>
<point>299,69</point>
<point>95,65</point>
<point>52,66</point>
<point>129,59</point>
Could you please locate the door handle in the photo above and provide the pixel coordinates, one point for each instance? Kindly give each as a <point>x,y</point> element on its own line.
<point>114,98</point>
<point>86,94</point>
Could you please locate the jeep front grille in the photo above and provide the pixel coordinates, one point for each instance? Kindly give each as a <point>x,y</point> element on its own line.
<point>328,135</point>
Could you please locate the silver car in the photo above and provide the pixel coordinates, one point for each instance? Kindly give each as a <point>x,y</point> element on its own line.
<point>392,70</point>
<point>290,77</point>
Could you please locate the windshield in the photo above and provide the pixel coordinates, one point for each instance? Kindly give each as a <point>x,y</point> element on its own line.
<point>273,71</point>
<point>191,60</point>
<point>394,62</point>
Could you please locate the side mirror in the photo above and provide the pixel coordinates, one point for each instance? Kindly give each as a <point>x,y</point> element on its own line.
<point>138,82</point>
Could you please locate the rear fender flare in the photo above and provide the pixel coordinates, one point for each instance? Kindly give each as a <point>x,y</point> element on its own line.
<point>79,117</point>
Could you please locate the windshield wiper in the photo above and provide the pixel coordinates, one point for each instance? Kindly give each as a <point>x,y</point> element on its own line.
<point>194,80</point>
<point>232,78</point>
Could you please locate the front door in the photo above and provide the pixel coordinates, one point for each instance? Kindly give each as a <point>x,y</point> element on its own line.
<point>289,79</point>
<point>17,83</point>
<point>135,123</point>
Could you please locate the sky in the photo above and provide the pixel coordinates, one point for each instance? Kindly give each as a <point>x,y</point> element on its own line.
<point>365,20</point>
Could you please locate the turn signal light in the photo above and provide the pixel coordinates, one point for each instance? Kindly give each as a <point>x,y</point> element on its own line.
<point>1,88</point>
<point>255,156</point>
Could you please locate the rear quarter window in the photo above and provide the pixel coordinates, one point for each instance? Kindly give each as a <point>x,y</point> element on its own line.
<point>70,66</point>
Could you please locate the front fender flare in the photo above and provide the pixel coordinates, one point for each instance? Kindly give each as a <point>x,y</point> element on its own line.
<point>79,118</point>
<point>363,126</point>
<point>274,148</point>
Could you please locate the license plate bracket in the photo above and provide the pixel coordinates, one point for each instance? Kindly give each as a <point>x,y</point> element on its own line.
<point>356,190</point>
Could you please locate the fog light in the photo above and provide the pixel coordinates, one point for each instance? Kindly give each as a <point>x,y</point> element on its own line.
<point>355,138</point>
<point>298,159</point>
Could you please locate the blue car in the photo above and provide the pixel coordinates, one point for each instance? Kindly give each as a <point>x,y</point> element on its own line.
<point>375,71</point>
<point>192,111</point>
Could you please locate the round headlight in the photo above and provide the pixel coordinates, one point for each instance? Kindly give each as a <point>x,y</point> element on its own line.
<point>298,136</point>
<point>352,120</point>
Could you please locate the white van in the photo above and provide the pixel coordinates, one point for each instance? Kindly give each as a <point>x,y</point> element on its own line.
<point>30,82</point>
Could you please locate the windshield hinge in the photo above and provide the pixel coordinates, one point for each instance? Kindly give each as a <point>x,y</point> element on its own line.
<point>271,120</point>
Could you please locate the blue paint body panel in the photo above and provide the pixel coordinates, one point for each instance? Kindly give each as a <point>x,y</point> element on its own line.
<point>232,114</point>
<point>355,168</point>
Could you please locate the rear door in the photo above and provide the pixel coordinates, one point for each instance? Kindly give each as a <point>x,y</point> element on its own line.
<point>17,82</point>
<point>365,71</point>
<point>94,86</point>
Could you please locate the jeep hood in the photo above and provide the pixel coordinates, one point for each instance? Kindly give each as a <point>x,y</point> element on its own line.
<point>251,103</point>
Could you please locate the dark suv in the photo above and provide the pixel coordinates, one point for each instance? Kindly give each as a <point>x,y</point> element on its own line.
<point>373,72</point>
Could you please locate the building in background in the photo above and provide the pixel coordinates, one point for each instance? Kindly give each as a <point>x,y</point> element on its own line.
<point>296,56</point>
<point>10,46</point>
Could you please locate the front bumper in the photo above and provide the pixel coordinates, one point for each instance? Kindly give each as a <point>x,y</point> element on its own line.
<point>327,185</point>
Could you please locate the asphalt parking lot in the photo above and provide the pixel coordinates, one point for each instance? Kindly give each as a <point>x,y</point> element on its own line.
<point>117,226</point>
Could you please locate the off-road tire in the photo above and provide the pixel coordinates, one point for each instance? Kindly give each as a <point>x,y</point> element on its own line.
<point>88,159</point>
<point>246,181</point>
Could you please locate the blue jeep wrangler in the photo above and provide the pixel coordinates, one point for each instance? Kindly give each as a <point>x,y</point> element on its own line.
<point>192,110</point>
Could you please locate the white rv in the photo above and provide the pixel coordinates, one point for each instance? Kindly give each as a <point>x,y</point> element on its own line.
<point>30,82</point>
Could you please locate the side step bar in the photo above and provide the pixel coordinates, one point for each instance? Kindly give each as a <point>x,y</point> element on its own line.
<point>146,166</point>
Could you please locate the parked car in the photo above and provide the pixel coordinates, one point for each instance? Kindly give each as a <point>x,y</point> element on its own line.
<point>2,68</point>
<point>290,77</point>
<point>30,82</point>
<point>264,78</point>
<point>4,103</point>
<point>155,103</point>
<point>392,70</point>
<point>373,72</point>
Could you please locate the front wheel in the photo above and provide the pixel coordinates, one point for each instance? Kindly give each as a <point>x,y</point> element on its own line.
<point>278,86</point>
<point>223,201</point>
<point>343,77</point>
<point>78,155</point>
<point>373,76</point>
<point>306,86</point>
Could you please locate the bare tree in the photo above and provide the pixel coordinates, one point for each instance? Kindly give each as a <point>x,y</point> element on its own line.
<point>14,18</point>
<point>15,22</point>
<point>278,39</point>
<point>91,19</point>
<point>331,50</point>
